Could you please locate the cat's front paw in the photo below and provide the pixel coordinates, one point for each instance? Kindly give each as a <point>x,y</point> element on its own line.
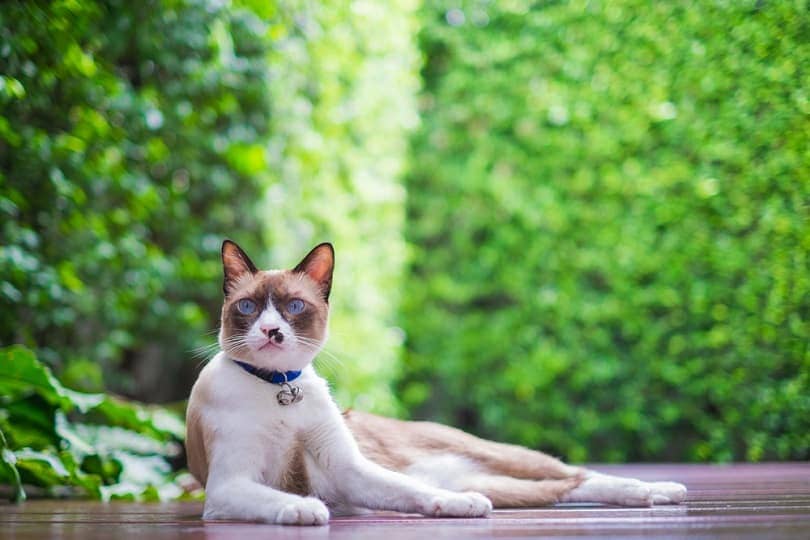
<point>468,504</point>
<point>308,511</point>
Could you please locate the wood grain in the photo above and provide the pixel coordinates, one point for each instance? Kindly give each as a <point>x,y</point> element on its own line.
<point>735,501</point>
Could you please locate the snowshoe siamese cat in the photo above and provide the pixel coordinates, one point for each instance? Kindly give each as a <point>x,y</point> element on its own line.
<point>269,444</point>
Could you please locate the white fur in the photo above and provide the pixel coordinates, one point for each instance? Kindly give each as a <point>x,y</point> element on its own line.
<point>607,489</point>
<point>251,440</point>
<point>289,355</point>
<point>255,437</point>
<point>448,471</point>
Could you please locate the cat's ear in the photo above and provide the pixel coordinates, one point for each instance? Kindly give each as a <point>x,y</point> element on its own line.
<point>318,265</point>
<point>235,264</point>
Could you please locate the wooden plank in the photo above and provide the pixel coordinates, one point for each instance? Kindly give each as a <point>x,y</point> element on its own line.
<point>735,501</point>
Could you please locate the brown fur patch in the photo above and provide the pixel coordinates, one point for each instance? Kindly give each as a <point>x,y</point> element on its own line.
<point>401,443</point>
<point>318,265</point>
<point>510,475</point>
<point>378,442</point>
<point>199,437</point>
<point>508,492</point>
<point>280,287</point>
<point>295,479</point>
<point>235,265</point>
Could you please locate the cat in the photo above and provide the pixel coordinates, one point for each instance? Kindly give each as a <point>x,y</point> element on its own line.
<point>269,444</point>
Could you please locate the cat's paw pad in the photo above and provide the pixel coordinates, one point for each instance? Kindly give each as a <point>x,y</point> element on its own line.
<point>668,492</point>
<point>468,504</point>
<point>309,511</point>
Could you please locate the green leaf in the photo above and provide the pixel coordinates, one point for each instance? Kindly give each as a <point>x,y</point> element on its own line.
<point>155,422</point>
<point>9,471</point>
<point>141,478</point>
<point>30,422</point>
<point>21,374</point>
<point>43,468</point>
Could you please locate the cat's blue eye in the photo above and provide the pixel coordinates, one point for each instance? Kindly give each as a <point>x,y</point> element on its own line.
<point>295,306</point>
<point>246,306</point>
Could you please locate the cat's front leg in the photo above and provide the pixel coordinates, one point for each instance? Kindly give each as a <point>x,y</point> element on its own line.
<point>453,504</point>
<point>366,484</point>
<point>244,499</point>
<point>357,481</point>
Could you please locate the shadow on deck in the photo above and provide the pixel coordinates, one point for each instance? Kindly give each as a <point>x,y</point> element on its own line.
<point>736,501</point>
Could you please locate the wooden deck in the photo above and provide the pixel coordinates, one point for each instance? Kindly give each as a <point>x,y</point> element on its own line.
<point>739,501</point>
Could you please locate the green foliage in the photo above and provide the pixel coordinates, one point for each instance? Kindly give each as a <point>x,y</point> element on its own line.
<point>131,143</point>
<point>135,136</point>
<point>344,98</point>
<point>606,224</point>
<point>68,442</point>
<point>608,206</point>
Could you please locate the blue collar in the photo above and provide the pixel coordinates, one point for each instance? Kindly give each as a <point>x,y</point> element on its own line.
<point>274,377</point>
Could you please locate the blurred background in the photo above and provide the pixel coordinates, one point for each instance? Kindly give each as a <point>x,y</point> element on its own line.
<point>578,226</point>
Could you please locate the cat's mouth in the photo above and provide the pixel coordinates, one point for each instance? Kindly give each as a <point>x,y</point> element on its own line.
<point>270,345</point>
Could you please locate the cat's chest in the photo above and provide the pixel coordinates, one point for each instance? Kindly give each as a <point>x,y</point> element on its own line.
<point>242,415</point>
<point>279,437</point>
<point>253,409</point>
<point>268,408</point>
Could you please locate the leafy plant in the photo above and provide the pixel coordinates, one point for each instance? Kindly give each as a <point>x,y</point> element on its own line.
<point>603,229</point>
<point>135,136</point>
<point>131,143</point>
<point>73,443</point>
<point>344,99</point>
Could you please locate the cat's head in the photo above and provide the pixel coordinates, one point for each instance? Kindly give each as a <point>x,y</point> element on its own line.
<point>275,319</point>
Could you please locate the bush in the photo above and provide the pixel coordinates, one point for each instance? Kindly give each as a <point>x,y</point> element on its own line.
<point>135,136</point>
<point>131,142</point>
<point>344,86</point>
<point>606,221</point>
<point>609,220</point>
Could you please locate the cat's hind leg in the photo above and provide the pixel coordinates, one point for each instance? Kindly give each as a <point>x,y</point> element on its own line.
<point>460,473</point>
<point>398,444</point>
<point>608,489</point>
<point>667,492</point>
<point>450,458</point>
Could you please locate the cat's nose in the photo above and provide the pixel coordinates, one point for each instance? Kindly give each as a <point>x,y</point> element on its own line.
<point>273,333</point>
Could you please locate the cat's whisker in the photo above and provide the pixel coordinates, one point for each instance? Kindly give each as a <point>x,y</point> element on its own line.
<point>208,351</point>
<point>234,342</point>
<point>329,360</point>
<point>234,339</point>
<point>304,339</point>
<point>324,365</point>
<point>332,357</point>
<point>309,341</point>
<point>205,353</point>
<point>204,350</point>
<point>203,362</point>
<point>203,347</point>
